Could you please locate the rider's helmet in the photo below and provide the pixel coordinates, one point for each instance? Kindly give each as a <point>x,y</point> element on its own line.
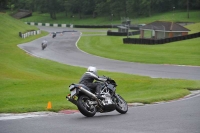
<point>92,69</point>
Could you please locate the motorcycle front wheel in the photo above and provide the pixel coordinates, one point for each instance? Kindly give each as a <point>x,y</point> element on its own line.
<point>121,105</point>
<point>84,107</point>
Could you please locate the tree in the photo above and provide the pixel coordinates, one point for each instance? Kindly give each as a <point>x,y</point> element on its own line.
<point>67,6</point>
<point>76,6</point>
<point>102,7</point>
<point>134,7</point>
<point>119,8</point>
<point>188,9</point>
<point>3,4</point>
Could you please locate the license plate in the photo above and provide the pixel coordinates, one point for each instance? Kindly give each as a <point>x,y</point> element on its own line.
<point>73,92</point>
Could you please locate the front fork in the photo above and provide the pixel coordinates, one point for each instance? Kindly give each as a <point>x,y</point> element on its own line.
<point>117,98</point>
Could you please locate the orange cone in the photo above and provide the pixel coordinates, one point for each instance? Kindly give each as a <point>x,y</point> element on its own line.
<point>49,106</point>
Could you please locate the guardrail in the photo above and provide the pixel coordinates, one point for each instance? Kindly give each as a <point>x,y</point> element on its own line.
<point>159,41</point>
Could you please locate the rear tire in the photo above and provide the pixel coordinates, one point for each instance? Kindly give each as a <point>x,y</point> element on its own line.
<point>84,107</point>
<point>121,105</point>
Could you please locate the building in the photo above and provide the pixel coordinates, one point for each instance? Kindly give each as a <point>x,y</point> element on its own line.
<point>162,29</point>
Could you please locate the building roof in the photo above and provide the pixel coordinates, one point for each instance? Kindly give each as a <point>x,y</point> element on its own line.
<point>166,26</point>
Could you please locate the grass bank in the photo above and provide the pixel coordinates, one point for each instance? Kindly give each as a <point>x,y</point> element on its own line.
<point>27,83</point>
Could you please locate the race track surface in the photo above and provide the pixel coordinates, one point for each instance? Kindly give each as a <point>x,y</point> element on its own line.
<point>63,49</point>
<point>180,116</point>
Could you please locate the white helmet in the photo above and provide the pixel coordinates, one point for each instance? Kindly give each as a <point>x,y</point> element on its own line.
<point>92,69</point>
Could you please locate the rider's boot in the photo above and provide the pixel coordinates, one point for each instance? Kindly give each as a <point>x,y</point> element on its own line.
<point>98,89</point>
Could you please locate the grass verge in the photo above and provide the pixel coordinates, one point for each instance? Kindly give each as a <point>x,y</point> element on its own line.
<point>185,52</point>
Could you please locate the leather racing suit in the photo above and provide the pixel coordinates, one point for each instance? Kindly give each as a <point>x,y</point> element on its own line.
<point>88,80</point>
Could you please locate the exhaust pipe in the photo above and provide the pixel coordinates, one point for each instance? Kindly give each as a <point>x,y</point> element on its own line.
<point>90,94</point>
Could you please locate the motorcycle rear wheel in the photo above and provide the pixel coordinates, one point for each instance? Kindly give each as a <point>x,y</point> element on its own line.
<point>121,105</point>
<point>84,107</point>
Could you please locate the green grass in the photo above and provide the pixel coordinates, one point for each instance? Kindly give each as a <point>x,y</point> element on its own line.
<point>27,83</point>
<point>185,52</point>
<point>177,16</point>
<point>194,28</point>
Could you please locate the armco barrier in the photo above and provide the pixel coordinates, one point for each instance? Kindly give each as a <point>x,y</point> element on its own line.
<point>159,41</point>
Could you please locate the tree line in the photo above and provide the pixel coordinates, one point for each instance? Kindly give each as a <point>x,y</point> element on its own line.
<point>94,8</point>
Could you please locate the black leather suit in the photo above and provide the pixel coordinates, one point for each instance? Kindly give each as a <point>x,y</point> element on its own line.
<point>88,80</point>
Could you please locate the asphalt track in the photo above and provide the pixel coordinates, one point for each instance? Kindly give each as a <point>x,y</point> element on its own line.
<point>63,49</point>
<point>180,116</point>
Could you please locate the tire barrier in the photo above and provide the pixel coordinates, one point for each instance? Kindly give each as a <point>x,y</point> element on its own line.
<point>70,25</point>
<point>29,33</point>
<point>110,33</point>
<point>47,24</point>
<point>94,26</point>
<point>35,32</point>
<point>159,41</point>
<point>79,26</point>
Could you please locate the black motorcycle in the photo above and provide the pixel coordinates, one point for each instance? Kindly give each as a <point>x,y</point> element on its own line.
<point>54,35</point>
<point>88,104</point>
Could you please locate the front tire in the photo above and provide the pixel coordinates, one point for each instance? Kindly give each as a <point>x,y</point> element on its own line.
<point>121,105</point>
<point>84,107</point>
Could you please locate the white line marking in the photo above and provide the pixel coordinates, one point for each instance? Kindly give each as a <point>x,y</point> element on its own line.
<point>12,116</point>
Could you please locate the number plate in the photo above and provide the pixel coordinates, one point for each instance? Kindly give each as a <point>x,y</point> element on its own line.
<point>73,92</point>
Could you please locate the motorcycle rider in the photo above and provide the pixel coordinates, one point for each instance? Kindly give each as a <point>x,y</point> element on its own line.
<point>88,80</point>
<point>54,35</point>
<point>44,44</point>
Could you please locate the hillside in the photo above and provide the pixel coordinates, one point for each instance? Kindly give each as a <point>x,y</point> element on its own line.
<point>11,27</point>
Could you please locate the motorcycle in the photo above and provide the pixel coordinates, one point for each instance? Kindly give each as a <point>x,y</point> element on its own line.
<point>88,103</point>
<point>43,46</point>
